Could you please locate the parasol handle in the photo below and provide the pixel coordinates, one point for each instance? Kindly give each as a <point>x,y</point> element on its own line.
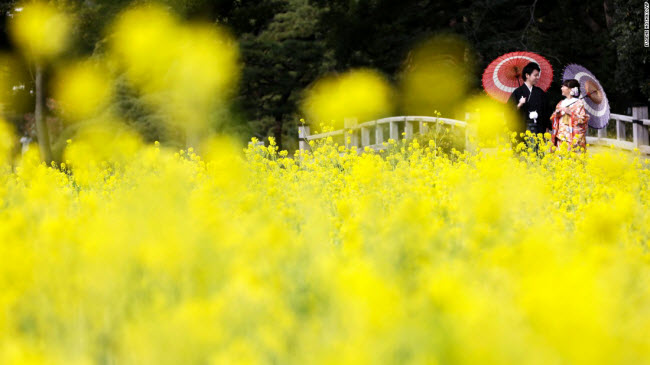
<point>588,94</point>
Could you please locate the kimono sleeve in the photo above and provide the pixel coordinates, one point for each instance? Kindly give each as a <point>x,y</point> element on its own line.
<point>513,99</point>
<point>581,114</point>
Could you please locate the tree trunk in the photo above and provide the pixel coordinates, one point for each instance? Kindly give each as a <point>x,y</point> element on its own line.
<point>279,121</point>
<point>41,127</point>
<point>589,21</point>
<point>608,17</point>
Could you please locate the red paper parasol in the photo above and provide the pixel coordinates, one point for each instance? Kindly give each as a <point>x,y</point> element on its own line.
<point>503,75</point>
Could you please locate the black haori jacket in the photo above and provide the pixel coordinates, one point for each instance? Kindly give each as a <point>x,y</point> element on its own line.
<point>535,102</point>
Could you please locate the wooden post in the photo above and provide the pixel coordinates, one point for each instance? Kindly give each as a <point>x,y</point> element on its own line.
<point>639,131</point>
<point>620,130</point>
<point>602,133</point>
<point>379,133</point>
<point>471,132</point>
<point>467,134</point>
<point>303,132</point>
<point>394,131</point>
<point>365,136</point>
<point>408,129</point>
<point>350,132</point>
<point>424,128</point>
<point>193,136</point>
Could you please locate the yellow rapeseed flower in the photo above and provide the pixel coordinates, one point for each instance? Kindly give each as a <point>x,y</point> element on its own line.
<point>358,94</point>
<point>40,29</point>
<point>82,89</point>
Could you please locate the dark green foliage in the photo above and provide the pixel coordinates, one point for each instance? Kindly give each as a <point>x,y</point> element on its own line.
<point>380,33</point>
<point>287,44</point>
<point>280,61</point>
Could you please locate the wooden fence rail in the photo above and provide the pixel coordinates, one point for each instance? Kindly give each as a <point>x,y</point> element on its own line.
<point>361,134</point>
<point>638,121</point>
<point>371,134</point>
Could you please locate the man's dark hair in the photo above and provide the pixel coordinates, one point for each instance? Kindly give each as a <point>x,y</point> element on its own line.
<point>530,67</point>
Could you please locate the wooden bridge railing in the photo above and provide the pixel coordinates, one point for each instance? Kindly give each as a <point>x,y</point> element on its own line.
<point>364,134</point>
<point>639,123</point>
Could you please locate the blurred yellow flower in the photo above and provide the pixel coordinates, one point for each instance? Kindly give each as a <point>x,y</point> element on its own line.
<point>358,94</point>
<point>128,253</point>
<point>82,89</point>
<point>143,40</point>
<point>185,70</point>
<point>436,76</point>
<point>490,118</point>
<point>41,30</point>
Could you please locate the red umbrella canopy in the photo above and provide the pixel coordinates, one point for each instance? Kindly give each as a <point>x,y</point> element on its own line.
<point>504,75</point>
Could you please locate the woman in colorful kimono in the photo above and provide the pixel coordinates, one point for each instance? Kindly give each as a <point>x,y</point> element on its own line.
<point>570,119</point>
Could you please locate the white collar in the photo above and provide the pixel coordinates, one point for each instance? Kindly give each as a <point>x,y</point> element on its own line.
<point>529,88</point>
<point>568,101</point>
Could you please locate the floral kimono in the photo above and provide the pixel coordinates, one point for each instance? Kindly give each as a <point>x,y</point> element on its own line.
<point>570,127</point>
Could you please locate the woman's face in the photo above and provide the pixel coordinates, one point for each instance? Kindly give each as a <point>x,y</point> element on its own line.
<point>566,92</point>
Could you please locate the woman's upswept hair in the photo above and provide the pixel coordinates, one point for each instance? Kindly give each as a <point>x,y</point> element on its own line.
<point>571,83</point>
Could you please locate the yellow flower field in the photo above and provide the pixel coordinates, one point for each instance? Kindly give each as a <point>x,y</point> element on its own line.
<point>156,257</point>
<point>124,252</point>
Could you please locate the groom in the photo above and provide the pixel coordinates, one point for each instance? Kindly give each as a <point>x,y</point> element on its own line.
<point>531,102</point>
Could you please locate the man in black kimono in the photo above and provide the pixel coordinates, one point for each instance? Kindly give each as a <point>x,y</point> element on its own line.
<point>531,102</point>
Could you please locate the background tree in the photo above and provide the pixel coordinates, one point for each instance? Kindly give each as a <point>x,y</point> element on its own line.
<point>288,44</point>
<point>281,58</point>
<point>624,20</point>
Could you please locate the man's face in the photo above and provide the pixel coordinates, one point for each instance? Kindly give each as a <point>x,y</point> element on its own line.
<point>533,77</point>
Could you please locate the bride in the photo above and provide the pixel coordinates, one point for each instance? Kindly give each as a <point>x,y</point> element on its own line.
<point>570,119</point>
